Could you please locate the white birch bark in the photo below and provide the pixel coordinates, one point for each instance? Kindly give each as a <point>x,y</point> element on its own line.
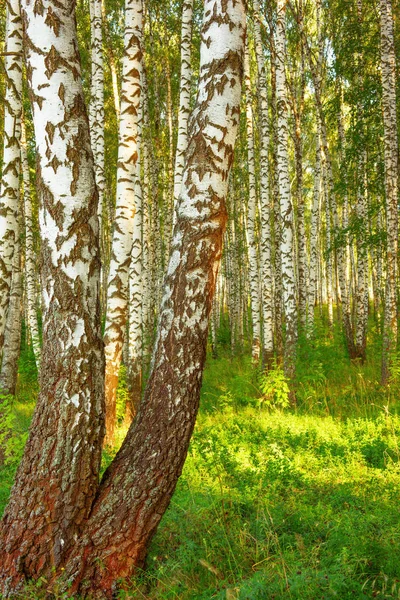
<point>111,60</point>
<point>314,240</point>
<point>288,270</point>
<point>64,444</point>
<point>136,289</point>
<point>9,183</point>
<point>251,218</point>
<point>30,260</point>
<point>388,68</point>
<point>117,294</point>
<point>266,255</point>
<point>12,331</point>
<point>184,98</point>
<point>96,111</point>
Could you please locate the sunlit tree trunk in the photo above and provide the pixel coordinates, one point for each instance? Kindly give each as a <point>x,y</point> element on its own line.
<point>288,270</point>
<point>361,298</point>
<point>30,259</point>
<point>117,294</point>
<point>111,60</point>
<point>12,331</point>
<point>343,250</point>
<point>9,183</point>
<point>136,291</point>
<point>388,68</point>
<point>251,220</point>
<point>57,478</point>
<point>266,255</point>
<point>137,487</point>
<point>184,98</point>
<point>314,238</point>
<point>96,108</point>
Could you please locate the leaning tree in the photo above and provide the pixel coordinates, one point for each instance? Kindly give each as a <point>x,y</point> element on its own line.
<point>58,517</point>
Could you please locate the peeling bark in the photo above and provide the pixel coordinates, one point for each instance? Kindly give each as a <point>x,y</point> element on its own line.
<point>57,478</point>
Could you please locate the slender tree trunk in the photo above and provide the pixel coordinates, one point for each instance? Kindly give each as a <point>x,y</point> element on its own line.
<point>111,60</point>
<point>266,255</point>
<point>137,487</point>
<point>12,331</point>
<point>117,294</point>
<point>9,183</point>
<point>96,112</point>
<point>58,475</point>
<point>314,239</point>
<point>30,260</point>
<point>184,98</point>
<point>136,289</point>
<point>288,271</point>
<point>388,67</point>
<point>251,220</point>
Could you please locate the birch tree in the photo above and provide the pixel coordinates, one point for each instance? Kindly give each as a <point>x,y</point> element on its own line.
<point>117,293</point>
<point>288,271</point>
<point>184,97</point>
<point>388,67</point>
<point>57,477</point>
<point>9,183</point>
<point>251,219</point>
<point>266,254</point>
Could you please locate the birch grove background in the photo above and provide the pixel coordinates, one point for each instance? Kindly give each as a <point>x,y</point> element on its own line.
<point>183,178</point>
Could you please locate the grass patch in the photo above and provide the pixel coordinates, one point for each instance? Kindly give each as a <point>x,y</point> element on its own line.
<point>299,503</point>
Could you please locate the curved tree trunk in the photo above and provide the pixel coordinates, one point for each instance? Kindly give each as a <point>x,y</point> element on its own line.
<point>57,477</point>
<point>137,487</point>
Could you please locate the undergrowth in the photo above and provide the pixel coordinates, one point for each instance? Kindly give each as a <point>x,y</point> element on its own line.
<point>274,501</point>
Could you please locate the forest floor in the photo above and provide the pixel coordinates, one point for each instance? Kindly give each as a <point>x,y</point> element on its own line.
<point>274,502</point>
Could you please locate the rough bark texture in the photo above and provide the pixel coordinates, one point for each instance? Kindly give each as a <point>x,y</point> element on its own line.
<point>184,98</point>
<point>138,486</point>
<point>266,255</point>
<point>9,183</point>
<point>117,294</point>
<point>12,331</point>
<point>57,477</point>
<point>388,66</point>
<point>96,112</point>
<point>252,220</point>
<point>30,258</point>
<point>288,271</point>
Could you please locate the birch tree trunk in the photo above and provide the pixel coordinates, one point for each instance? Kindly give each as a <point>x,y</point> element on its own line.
<point>184,98</point>
<point>288,270</point>
<point>388,67</point>
<point>30,260</point>
<point>12,331</point>
<point>58,474</point>
<point>9,183</point>
<point>266,242</point>
<point>251,219</point>
<point>136,289</point>
<point>314,239</point>
<point>117,294</point>
<point>96,112</point>
<point>137,487</point>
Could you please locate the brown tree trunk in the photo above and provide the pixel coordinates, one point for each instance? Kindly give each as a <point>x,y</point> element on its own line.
<point>138,486</point>
<point>58,475</point>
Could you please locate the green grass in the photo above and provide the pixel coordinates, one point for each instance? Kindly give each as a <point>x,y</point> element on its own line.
<point>272,504</point>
